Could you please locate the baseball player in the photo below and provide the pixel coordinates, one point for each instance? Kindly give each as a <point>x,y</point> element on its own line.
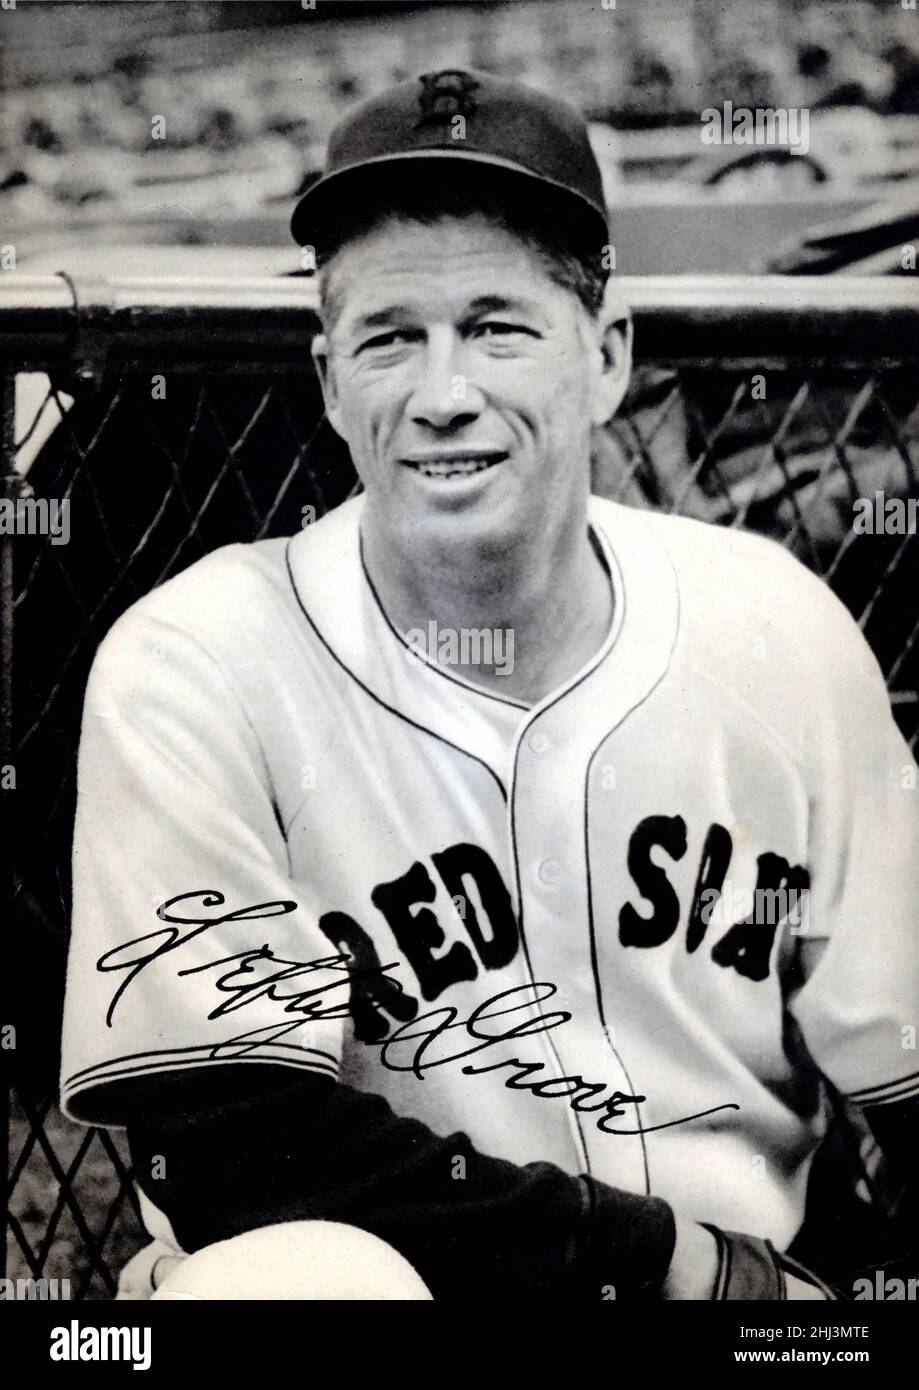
<point>537,970</point>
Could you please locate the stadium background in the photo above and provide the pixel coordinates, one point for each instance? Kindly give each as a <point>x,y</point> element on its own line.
<point>249,92</point>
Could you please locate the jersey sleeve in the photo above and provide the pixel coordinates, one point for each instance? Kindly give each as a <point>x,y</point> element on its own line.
<point>189,949</point>
<point>859,1006</point>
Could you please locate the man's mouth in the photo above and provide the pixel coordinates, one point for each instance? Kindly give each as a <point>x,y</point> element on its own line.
<point>459,463</point>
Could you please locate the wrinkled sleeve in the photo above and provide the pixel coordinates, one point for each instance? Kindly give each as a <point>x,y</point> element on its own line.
<point>188,948</point>
<point>859,1007</point>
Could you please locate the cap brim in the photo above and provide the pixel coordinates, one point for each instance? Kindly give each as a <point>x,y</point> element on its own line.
<point>328,201</point>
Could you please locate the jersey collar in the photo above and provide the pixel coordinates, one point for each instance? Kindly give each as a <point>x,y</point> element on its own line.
<point>334,593</point>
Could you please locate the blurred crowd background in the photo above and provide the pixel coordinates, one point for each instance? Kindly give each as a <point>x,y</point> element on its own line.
<point>247,94</point>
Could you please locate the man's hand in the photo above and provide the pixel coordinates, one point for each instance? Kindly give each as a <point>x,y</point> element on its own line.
<point>697,1270</point>
<point>797,1291</point>
<point>694,1267</point>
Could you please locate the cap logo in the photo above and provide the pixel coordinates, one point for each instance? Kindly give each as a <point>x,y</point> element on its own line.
<point>445,95</point>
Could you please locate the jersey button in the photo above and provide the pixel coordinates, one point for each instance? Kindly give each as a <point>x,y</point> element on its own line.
<point>538,741</point>
<point>549,871</point>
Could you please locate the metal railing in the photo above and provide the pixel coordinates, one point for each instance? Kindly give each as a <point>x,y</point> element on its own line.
<point>186,416</point>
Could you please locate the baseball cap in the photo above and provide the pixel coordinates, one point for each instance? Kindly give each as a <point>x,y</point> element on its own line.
<point>457,114</point>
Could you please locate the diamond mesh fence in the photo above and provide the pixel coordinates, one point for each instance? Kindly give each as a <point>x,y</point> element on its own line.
<point>159,475</point>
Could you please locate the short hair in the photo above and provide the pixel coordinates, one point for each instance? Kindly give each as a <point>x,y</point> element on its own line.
<point>548,223</point>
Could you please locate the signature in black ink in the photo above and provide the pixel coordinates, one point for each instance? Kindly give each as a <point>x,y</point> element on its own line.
<point>168,939</point>
<point>417,1046</point>
<point>244,984</point>
<point>427,1030</point>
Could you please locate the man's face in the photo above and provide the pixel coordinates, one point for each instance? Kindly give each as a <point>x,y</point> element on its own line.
<point>464,380</point>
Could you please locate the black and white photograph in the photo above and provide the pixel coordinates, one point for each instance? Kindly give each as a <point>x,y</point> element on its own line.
<point>459,661</point>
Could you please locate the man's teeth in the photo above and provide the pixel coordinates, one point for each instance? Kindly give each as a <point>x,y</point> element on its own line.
<point>454,468</point>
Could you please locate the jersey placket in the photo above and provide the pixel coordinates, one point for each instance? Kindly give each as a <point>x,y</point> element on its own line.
<point>548,814</point>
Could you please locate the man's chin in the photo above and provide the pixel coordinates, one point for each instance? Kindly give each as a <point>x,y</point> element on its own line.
<point>465,523</point>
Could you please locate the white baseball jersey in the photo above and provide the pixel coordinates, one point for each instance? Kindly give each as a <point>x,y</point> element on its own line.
<point>559,929</point>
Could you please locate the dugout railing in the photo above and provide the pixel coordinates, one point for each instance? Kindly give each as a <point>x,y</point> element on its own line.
<point>186,416</point>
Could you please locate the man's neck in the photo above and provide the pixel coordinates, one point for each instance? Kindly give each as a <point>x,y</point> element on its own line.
<point>518,623</point>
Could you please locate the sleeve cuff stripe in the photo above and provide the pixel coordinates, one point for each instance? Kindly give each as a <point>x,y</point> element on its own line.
<point>891,1090</point>
<point>204,1053</point>
<point>123,1068</point>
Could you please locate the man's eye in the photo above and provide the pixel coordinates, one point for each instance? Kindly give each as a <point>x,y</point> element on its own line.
<point>498,328</point>
<point>385,340</point>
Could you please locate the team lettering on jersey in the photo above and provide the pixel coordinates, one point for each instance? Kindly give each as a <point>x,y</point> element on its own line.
<point>745,947</point>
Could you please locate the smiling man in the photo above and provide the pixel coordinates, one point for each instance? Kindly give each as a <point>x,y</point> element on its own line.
<point>374,947</point>
<point>466,408</point>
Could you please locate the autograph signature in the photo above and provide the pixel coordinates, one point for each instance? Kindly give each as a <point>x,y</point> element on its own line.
<point>418,1046</point>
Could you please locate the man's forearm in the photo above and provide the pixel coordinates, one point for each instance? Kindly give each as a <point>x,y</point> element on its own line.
<point>313,1149</point>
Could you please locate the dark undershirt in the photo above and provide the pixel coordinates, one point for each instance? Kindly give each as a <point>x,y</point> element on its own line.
<point>313,1149</point>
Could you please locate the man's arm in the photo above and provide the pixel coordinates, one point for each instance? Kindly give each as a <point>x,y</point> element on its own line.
<point>309,1148</point>
<point>858,952</point>
<point>313,1149</point>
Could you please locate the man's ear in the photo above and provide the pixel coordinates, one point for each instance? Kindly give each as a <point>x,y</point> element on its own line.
<point>326,374</point>
<point>615,341</point>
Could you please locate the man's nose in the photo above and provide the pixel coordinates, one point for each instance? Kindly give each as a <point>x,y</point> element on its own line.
<point>443,397</point>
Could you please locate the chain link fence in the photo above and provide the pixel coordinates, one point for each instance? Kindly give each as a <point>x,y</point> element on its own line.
<point>174,418</point>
